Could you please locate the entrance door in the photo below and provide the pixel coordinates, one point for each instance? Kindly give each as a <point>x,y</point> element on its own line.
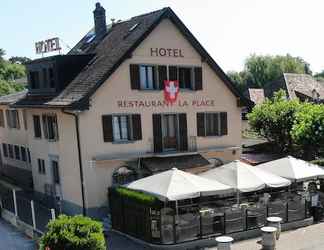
<point>170,132</point>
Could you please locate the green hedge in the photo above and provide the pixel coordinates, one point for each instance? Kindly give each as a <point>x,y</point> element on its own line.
<point>73,233</point>
<point>139,197</point>
<point>319,162</point>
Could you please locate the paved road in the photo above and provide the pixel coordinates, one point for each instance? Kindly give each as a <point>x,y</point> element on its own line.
<point>308,238</point>
<point>11,239</point>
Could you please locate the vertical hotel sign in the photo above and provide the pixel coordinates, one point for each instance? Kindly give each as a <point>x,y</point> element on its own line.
<point>49,45</point>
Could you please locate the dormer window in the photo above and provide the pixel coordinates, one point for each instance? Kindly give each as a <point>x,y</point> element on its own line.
<point>34,79</point>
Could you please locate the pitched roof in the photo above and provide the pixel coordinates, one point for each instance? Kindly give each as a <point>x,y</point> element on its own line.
<point>300,86</point>
<point>118,44</point>
<point>303,84</point>
<point>256,95</point>
<point>12,98</point>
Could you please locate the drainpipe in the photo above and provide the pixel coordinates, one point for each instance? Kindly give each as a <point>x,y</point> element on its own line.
<point>76,118</point>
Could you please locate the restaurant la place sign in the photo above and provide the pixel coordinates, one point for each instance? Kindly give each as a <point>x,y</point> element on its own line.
<point>165,104</point>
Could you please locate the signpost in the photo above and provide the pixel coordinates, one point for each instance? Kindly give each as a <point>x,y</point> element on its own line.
<point>49,45</point>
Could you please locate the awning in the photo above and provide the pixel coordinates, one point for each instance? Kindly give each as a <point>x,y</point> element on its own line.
<point>181,162</point>
<point>293,169</point>
<point>244,178</point>
<point>175,185</point>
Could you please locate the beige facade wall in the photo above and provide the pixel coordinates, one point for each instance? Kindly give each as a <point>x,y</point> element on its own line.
<point>64,150</point>
<point>14,136</point>
<point>117,88</point>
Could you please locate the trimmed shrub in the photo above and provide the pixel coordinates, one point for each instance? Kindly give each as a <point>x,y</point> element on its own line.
<point>319,162</point>
<point>73,233</point>
<point>140,197</point>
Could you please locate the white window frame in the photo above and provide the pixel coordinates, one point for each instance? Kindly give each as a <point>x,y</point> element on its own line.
<point>41,166</point>
<point>13,120</point>
<point>129,127</point>
<point>219,123</point>
<point>46,127</point>
<point>155,82</point>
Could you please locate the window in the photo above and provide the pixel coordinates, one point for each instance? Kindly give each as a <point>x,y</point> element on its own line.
<point>170,132</point>
<point>121,128</point>
<point>17,152</point>
<point>5,149</point>
<point>12,119</point>
<point>56,173</point>
<point>24,113</point>
<point>41,166</point>
<point>29,156</point>
<point>10,150</point>
<point>34,79</point>
<point>212,124</point>
<point>45,79</point>
<point>51,78</point>
<point>188,77</point>
<point>2,123</point>
<point>148,77</point>
<point>23,154</point>
<point>37,126</point>
<point>50,127</point>
<point>185,78</point>
<point>183,74</point>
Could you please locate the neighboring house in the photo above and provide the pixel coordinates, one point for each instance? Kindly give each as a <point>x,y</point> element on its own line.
<point>256,96</point>
<point>301,86</point>
<point>101,114</point>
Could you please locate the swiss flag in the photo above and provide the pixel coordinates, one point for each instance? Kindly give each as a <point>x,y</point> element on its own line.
<point>171,90</point>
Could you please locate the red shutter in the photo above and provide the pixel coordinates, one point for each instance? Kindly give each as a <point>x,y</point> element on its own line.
<point>198,78</point>
<point>201,124</point>
<point>134,76</point>
<point>223,116</point>
<point>107,128</point>
<point>137,127</point>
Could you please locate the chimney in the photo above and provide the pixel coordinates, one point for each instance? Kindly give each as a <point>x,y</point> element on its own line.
<point>100,21</point>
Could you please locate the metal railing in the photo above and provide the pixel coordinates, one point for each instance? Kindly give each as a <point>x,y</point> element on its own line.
<point>28,211</point>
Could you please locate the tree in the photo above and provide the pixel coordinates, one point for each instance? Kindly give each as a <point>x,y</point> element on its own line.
<point>259,70</point>
<point>274,120</point>
<point>9,72</point>
<point>320,76</point>
<point>2,53</point>
<point>19,59</point>
<point>7,88</point>
<point>73,233</point>
<point>308,129</point>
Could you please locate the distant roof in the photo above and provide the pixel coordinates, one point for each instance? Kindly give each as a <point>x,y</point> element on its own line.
<point>304,84</point>
<point>12,98</point>
<point>121,40</point>
<point>256,95</point>
<point>301,86</point>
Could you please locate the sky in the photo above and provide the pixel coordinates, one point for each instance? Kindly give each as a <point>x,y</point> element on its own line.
<point>230,30</point>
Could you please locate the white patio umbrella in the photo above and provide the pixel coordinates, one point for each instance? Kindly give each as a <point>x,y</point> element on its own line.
<point>245,178</point>
<point>293,169</point>
<point>176,185</point>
